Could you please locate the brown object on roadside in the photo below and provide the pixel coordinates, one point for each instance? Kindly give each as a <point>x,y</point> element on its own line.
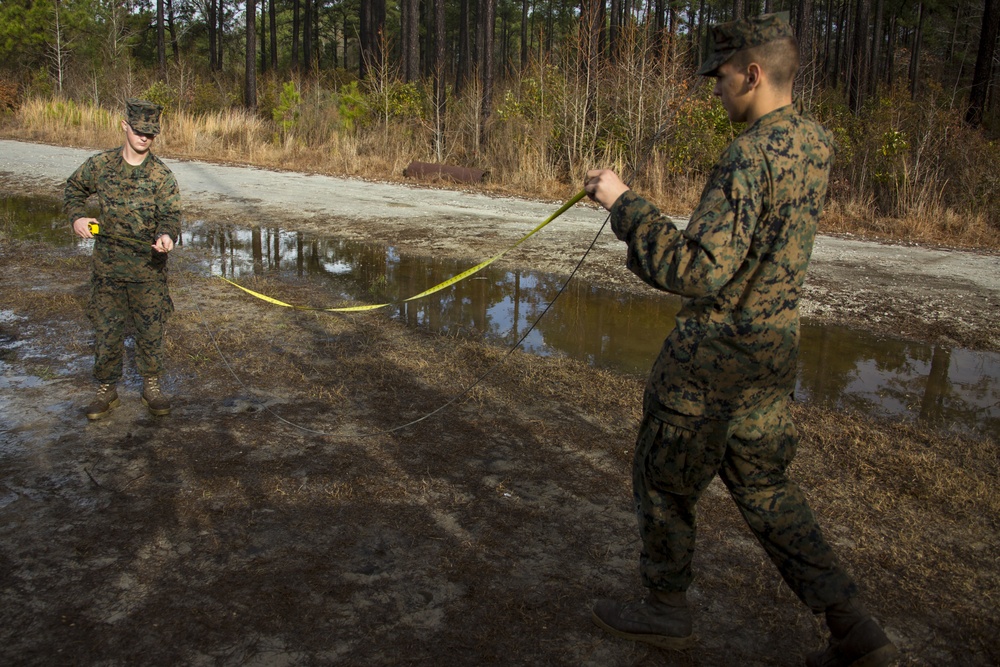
<point>444,172</point>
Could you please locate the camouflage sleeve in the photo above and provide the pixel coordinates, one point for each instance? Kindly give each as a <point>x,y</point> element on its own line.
<point>702,258</point>
<point>168,208</point>
<point>79,187</point>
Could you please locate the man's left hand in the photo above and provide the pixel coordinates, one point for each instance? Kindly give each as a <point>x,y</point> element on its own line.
<point>163,243</point>
<point>604,186</point>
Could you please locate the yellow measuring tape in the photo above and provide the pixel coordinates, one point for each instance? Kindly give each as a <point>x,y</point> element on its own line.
<point>95,229</point>
<point>437,288</point>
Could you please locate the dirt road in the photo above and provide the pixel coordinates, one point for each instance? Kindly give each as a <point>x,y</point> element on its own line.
<point>933,295</point>
<point>277,518</point>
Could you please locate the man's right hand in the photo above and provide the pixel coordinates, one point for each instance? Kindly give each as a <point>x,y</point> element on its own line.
<point>81,227</point>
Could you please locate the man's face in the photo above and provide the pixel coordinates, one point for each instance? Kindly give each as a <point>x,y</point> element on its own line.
<point>731,89</point>
<point>138,141</point>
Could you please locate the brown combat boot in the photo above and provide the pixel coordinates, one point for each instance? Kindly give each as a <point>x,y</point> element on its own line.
<point>105,400</point>
<point>856,640</point>
<point>153,397</point>
<point>662,619</point>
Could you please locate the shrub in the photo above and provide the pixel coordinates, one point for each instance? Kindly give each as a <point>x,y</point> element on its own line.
<point>352,105</point>
<point>286,112</point>
<point>9,95</point>
<point>162,94</point>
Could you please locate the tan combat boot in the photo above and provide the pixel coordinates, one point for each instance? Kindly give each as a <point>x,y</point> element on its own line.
<point>153,397</point>
<point>662,619</point>
<point>105,400</point>
<point>856,640</point>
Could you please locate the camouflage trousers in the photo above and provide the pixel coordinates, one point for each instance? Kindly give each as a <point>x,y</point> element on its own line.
<point>677,456</point>
<point>112,305</point>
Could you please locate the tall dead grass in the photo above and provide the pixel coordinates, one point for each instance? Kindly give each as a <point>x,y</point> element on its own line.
<point>903,171</point>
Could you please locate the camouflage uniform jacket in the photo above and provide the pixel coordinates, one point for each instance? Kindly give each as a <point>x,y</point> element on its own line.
<point>740,264</point>
<point>139,203</point>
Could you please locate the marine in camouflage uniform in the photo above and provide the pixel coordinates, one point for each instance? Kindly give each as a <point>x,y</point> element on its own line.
<point>716,402</point>
<point>138,222</point>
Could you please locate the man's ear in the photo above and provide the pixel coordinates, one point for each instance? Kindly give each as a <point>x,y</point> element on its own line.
<point>753,75</point>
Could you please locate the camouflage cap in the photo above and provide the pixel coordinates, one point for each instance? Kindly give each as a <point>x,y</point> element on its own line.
<point>728,38</point>
<point>143,116</point>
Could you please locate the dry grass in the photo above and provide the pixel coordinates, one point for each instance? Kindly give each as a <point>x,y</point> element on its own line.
<point>914,515</point>
<point>918,187</point>
<point>942,226</point>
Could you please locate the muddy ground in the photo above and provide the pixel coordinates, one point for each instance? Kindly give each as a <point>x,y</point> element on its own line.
<point>275,518</point>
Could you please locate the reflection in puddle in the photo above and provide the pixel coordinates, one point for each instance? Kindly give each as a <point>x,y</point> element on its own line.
<point>34,219</point>
<point>840,367</point>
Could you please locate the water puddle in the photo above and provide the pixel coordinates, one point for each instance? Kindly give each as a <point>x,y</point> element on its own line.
<point>36,219</point>
<point>946,386</point>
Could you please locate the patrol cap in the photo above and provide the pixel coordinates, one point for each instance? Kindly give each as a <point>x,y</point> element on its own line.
<point>728,38</point>
<point>143,116</point>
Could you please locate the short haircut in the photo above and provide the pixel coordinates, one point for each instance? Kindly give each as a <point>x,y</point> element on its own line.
<point>778,58</point>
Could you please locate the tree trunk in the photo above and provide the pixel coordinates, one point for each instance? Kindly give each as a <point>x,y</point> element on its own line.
<point>588,35</point>
<point>804,22</point>
<point>859,71</point>
<point>263,36</point>
<point>699,36</point>
<point>982,74</point>
<point>173,31</point>
<point>428,49</point>
<point>659,26</point>
<point>504,44</point>
<point>307,36</point>
<point>464,57</point>
<point>550,18</point>
<point>409,30</point>
<point>488,13</point>
<point>58,50</point>
<point>440,35</point>
<point>890,56</point>
<point>826,40</point>
<point>953,41</point>
<point>915,53</point>
<point>614,29</point>
<point>876,48</point>
<point>376,34</point>
<point>404,36</point>
<point>344,31</point>
<point>161,40</point>
<point>212,62</point>
<point>250,80</point>
<point>839,47</point>
<point>221,16</point>
<point>272,21</point>
<point>364,37</point>
<point>315,35</point>
<point>524,35</point>
<point>296,32</point>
